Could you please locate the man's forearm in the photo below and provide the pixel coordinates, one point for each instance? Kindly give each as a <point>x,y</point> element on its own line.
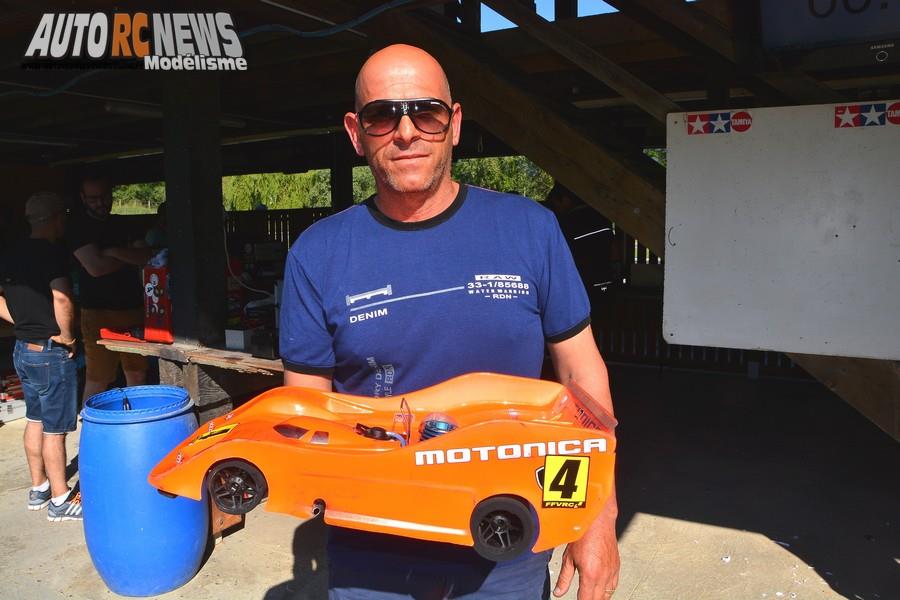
<point>64,311</point>
<point>131,256</point>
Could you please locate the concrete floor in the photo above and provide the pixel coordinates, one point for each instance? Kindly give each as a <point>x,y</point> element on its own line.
<point>729,489</point>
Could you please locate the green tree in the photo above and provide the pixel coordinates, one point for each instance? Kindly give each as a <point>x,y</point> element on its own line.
<point>138,198</point>
<point>515,174</point>
<point>277,190</point>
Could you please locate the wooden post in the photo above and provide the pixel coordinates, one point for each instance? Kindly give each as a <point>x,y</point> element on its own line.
<point>470,16</point>
<point>341,172</point>
<point>565,9</point>
<point>193,174</point>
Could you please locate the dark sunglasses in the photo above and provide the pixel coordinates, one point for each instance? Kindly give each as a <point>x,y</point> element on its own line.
<point>381,117</point>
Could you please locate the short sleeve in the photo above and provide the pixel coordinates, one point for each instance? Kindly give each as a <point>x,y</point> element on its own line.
<point>565,308</point>
<point>59,264</point>
<point>305,342</point>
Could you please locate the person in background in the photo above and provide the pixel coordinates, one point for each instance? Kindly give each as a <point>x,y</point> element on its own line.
<point>111,291</point>
<point>157,236</point>
<point>36,296</point>
<point>432,246</point>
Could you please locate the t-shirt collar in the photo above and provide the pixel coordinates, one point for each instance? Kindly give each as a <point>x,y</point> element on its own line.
<point>417,225</point>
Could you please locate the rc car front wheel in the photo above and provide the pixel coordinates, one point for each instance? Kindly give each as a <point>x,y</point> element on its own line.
<point>502,528</point>
<point>236,486</point>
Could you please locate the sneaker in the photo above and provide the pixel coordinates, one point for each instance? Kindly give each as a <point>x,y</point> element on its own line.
<point>70,510</point>
<point>38,500</point>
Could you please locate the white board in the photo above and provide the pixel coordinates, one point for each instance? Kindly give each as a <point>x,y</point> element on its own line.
<point>783,229</point>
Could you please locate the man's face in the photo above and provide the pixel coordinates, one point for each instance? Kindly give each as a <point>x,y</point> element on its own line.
<point>405,160</point>
<point>97,198</point>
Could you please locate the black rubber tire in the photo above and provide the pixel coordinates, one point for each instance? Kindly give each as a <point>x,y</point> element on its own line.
<point>502,528</point>
<point>236,487</point>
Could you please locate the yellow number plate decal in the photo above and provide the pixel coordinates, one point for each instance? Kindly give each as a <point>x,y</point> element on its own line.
<point>565,481</point>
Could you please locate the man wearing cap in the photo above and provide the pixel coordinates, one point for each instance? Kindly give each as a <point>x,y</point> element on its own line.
<point>36,296</point>
<point>427,280</point>
<point>110,288</point>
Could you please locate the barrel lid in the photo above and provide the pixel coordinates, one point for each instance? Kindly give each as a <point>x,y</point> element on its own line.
<point>138,404</point>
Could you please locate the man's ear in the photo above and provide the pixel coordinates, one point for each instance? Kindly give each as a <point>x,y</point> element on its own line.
<point>351,126</point>
<point>456,120</point>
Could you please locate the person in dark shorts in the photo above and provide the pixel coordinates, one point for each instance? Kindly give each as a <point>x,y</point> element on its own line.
<point>111,293</point>
<point>36,296</point>
<point>452,279</point>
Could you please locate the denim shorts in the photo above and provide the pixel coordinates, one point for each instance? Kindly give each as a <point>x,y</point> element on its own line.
<point>50,384</point>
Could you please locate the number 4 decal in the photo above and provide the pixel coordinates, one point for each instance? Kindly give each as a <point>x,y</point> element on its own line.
<point>567,477</point>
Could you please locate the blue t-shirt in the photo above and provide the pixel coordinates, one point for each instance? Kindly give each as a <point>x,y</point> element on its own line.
<point>387,308</point>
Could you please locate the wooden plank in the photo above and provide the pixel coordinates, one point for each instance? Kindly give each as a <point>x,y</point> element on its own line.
<point>201,355</point>
<point>870,386</point>
<point>534,129</point>
<point>587,58</point>
<point>220,521</point>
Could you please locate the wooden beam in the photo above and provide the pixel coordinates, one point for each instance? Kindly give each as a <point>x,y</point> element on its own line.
<point>689,23</point>
<point>585,57</point>
<point>529,126</point>
<point>870,386</point>
<point>693,23</point>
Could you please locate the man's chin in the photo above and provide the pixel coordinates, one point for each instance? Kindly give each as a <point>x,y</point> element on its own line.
<point>406,185</point>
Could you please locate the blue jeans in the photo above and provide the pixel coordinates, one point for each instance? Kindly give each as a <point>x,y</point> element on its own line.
<point>50,384</point>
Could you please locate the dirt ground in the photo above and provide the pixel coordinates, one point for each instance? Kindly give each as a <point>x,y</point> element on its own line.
<point>729,488</point>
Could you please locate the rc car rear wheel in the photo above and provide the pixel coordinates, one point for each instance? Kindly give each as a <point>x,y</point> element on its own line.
<point>236,486</point>
<point>502,528</point>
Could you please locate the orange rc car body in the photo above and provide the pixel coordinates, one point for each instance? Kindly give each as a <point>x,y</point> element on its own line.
<point>504,464</point>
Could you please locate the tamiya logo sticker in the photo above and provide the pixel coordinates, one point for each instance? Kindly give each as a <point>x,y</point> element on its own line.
<point>876,114</point>
<point>564,481</point>
<point>719,122</point>
<point>893,113</point>
<point>154,41</point>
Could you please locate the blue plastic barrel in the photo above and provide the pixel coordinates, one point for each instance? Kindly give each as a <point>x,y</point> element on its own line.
<point>141,542</point>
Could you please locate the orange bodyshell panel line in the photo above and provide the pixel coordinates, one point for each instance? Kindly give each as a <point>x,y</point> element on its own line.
<point>373,465</point>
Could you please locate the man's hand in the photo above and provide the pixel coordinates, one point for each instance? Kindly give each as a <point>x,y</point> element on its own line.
<point>69,344</point>
<point>596,556</point>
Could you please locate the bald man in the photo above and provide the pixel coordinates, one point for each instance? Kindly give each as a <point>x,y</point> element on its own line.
<point>401,292</point>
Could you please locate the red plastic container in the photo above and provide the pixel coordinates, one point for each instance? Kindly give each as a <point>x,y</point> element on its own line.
<point>157,306</point>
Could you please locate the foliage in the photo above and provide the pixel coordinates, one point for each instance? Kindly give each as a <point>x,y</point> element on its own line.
<point>138,198</point>
<point>363,183</point>
<point>515,174</point>
<point>277,190</point>
<point>657,154</point>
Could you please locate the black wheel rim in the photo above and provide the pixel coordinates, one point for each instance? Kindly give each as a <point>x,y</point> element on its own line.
<point>500,530</point>
<point>234,490</point>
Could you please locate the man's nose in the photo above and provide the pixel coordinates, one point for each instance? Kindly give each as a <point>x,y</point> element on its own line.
<point>406,131</point>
